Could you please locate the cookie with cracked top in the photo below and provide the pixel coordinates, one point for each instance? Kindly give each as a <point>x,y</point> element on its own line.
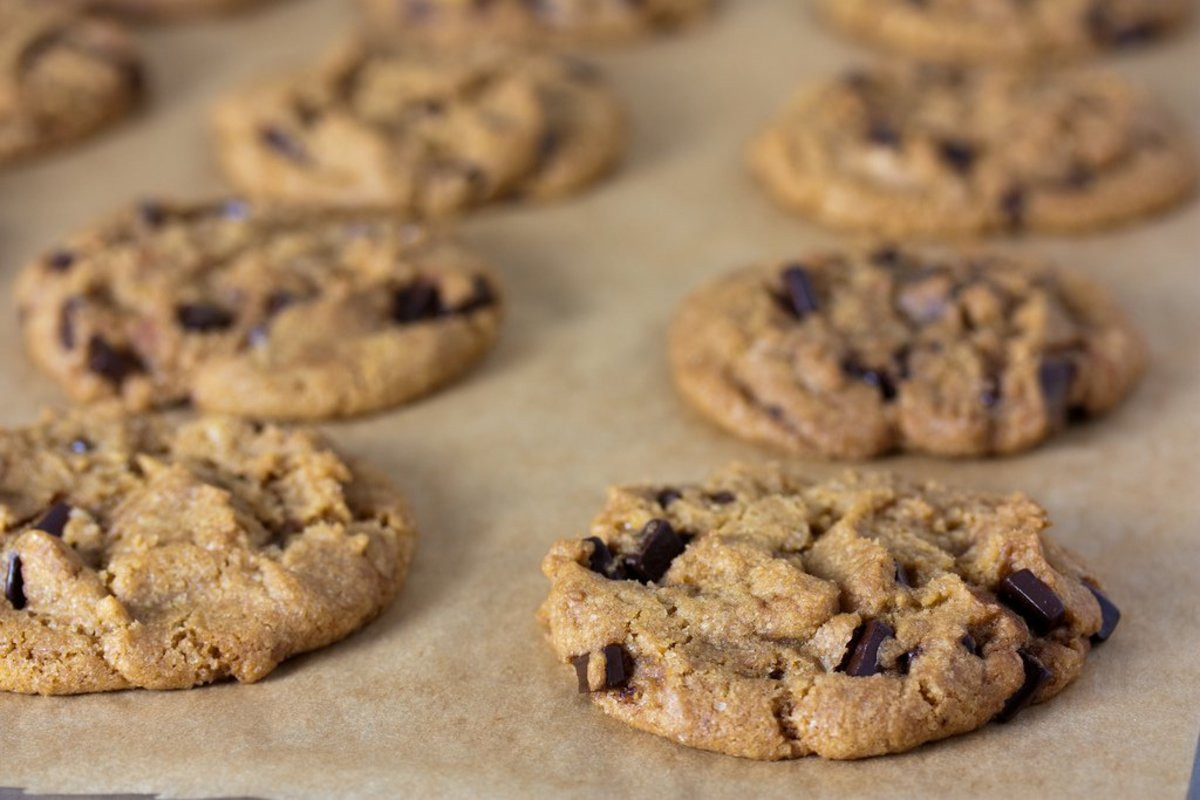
<point>254,311</point>
<point>575,21</point>
<point>1005,31</point>
<point>936,150</point>
<point>848,618</point>
<point>143,552</point>
<point>860,352</point>
<point>63,76</point>
<point>422,129</point>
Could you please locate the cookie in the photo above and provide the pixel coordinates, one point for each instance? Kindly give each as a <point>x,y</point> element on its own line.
<point>860,352</point>
<point>921,149</point>
<point>62,76</point>
<point>1004,31</point>
<point>421,129</point>
<point>251,311</point>
<point>764,615</point>
<point>142,552</point>
<point>576,21</point>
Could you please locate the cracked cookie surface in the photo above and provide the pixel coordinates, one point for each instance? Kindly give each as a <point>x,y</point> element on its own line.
<point>422,129</point>
<point>576,21</point>
<point>139,552</point>
<point>857,353</point>
<point>1005,31</point>
<point>764,615</point>
<point>936,150</point>
<point>62,76</point>
<point>245,310</point>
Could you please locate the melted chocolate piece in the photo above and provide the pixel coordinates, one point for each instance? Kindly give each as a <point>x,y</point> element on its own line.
<point>203,317</point>
<point>1036,676</point>
<point>60,260</point>
<point>880,379</point>
<point>862,656</point>
<point>958,155</point>
<point>618,666</point>
<point>581,671</point>
<point>660,546</point>
<point>800,297</point>
<point>1110,615</point>
<point>668,496</point>
<point>904,575</point>
<point>54,521</point>
<point>1036,602</point>
<point>904,660</point>
<point>722,498</point>
<point>418,301</point>
<point>601,559</point>
<point>14,583</point>
<point>973,647</point>
<point>111,363</point>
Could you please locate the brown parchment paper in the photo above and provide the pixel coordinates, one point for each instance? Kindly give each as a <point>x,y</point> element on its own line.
<point>453,692</point>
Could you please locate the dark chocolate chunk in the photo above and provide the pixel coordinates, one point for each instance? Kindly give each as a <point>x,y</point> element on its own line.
<point>1055,376</point>
<point>799,295</point>
<point>54,521</point>
<point>203,317</point>
<point>958,154</point>
<point>418,301</point>
<point>722,498</point>
<point>1110,615</point>
<point>618,666</point>
<point>775,674</point>
<point>660,546</point>
<point>668,496</point>
<point>60,260</point>
<point>110,362</point>
<point>862,656</point>
<point>601,559</point>
<point>1036,676</point>
<point>283,143</point>
<point>14,583</point>
<point>581,671</point>
<point>1029,596</point>
<point>973,647</point>
<point>904,660</point>
<point>879,379</point>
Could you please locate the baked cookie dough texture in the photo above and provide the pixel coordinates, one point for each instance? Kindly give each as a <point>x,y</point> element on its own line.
<point>918,149</point>
<point>63,76</point>
<point>140,552</point>
<point>1005,31</point>
<point>422,129</point>
<point>574,21</point>
<point>856,353</point>
<point>764,615</point>
<point>251,311</point>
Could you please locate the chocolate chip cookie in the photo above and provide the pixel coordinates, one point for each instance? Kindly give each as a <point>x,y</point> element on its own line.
<point>140,552</point>
<point>982,31</point>
<point>857,353</point>
<point>922,149</point>
<point>587,21</point>
<point>422,129</point>
<point>767,616</point>
<point>246,310</point>
<point>62,76</point>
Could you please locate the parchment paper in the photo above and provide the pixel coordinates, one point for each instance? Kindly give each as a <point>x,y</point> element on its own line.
<point>453,692</point>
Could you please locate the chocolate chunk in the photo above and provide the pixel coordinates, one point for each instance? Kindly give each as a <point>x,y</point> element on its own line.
<point>958,154</point>
<point>972,646</point>
<point>115,364</point>
<point>775,674</point>
<point>904,575</point>
<point>879,379</point>
<point>581,672</point>
<point>1036,676</point>
<point>722,498</point>
<point>66,323</point>
<point>483,295</point>
<point>283,143</point>
<point>203,317</point>
<point>278,301</point>
<point>668,496</point>
<point>54,521</point>
<point>618,666</point>
<point>904,660</point>
<point>60,260</point>
<point>1110,615</point>
<point>660,546</point>
<point>14,583</point>
<point>862,656</point>
<point>601,559</point>
<point>886,256</point>
<point>418,301</point>
<point>1036,602</point>
<point>1012,206</point>
<point>800,297</point>
<point>1055,376</point>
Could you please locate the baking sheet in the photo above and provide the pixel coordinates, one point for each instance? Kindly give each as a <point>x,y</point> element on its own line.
<point>453,692</point>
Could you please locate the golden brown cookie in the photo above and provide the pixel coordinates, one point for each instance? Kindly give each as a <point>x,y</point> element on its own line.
<point>861,352</point>
<point>1005,31</point>
<point>422,129</point>
<point>922,149</point>
<point>62,76</point>
<point>247,310</point>
<point>141,552</point>
<point>766,615</point>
